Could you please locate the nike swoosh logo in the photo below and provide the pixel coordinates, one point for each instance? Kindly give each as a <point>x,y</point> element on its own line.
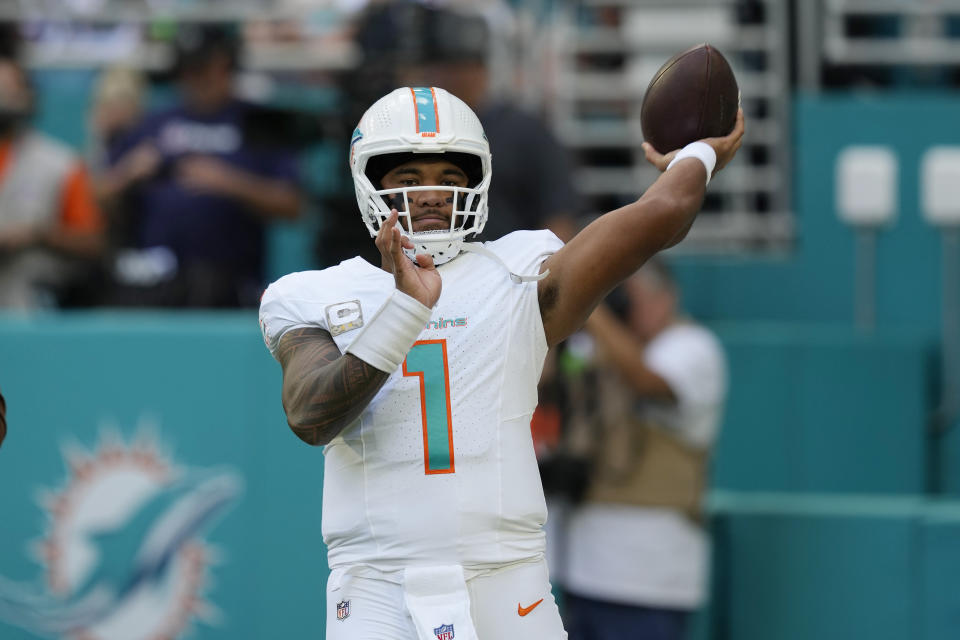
<point>522,611</point>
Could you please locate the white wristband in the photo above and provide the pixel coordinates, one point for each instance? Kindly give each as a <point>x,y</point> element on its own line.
<point>385,340</point>
<point>702,152</point>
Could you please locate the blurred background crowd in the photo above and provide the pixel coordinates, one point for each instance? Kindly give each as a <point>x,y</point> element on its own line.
<point>203,129</point>
<point>785,383</point>
<point>186,118</point>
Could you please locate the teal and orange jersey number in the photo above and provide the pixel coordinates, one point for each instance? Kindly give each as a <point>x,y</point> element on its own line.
<point>427,360</point>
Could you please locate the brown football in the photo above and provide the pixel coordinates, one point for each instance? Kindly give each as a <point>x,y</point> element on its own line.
<point>694,95</point>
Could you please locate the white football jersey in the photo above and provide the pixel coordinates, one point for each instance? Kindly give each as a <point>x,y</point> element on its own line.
<point>440,467</point>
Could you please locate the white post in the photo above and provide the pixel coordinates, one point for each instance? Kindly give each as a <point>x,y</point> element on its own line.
<point>940,195</point>
<point>866,192</point>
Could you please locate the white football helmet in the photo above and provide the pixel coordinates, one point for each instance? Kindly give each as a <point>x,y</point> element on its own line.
<point>426,120</point>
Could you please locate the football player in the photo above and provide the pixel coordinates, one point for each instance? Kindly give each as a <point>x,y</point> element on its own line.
<point>419,375</point>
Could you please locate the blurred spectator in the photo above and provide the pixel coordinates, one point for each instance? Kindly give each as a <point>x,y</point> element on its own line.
<point>416,44</point>
<point>204,186</point>
<point>637,552</point>
<point>116,111</point>
<point>377,31</point>
<point>50,226</point>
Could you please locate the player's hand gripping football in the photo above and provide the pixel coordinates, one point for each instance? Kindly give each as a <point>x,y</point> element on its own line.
<point>420,281</point>
<point>726,147</point>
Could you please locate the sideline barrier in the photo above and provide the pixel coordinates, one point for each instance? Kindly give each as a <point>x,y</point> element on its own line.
<point>834,567</point>
<point>149,453</point>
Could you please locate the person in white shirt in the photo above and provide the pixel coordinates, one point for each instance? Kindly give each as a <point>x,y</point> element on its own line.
<point>637,554</point>
<point>418,376</point>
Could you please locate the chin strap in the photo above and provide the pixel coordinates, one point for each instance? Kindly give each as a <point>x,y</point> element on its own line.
<point>476,247</point>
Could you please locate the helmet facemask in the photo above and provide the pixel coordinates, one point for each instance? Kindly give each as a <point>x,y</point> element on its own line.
<point>468,213</point>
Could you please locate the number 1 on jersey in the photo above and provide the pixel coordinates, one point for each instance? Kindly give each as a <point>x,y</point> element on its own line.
<point>427,360</point>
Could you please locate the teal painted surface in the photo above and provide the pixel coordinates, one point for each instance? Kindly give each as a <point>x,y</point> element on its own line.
<point>824,410</point>
<point>63,100</point>
<point>820,577</point>
<point>794,566</point>
<point>940,568</point>
<point>211,392</point>
<point>947,452</point>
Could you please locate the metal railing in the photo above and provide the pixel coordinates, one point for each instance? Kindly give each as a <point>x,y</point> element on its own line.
<point>607,51</point>
<point>881,34</point>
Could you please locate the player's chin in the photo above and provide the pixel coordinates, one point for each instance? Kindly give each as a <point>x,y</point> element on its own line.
<point>431,225</point>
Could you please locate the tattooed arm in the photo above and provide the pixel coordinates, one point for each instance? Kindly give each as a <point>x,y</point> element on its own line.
<point>323,390</point>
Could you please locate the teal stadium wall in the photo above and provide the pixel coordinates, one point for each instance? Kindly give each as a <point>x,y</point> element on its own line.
<point>206,390</point>
<point>802,549</point>
<point>835,511</point>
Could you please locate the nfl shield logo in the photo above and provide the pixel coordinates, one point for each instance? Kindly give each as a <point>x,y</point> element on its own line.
<point>444,632</point>
<point>343,609</point>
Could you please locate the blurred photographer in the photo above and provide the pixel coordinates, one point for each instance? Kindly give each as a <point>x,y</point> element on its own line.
<point>637,553</point>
